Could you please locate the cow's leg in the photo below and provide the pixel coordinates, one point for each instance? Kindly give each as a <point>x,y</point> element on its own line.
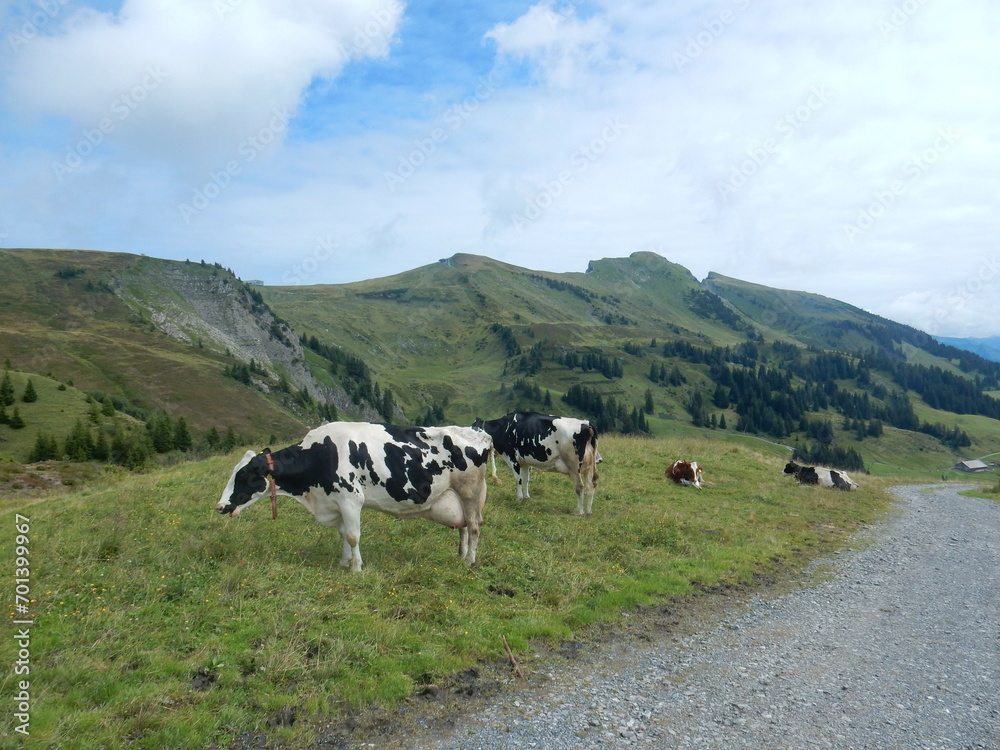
<point>471,497</point>
<point>523,475</point>
<point>584,493</point>
<point>350,532</point>
<point>579,487</point>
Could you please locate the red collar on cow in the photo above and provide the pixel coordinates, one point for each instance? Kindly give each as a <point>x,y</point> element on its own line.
<point>273,486</point>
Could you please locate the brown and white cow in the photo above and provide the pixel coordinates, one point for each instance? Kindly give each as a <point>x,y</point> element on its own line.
<point>528,440</point>
<point>438,473</point>
<point>686,473</point>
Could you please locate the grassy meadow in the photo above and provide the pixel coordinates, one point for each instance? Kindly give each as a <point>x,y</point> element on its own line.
<point>159,623</point>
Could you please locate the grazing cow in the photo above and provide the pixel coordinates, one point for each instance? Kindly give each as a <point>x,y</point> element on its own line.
<point>438,473</point>
<point>527,440</point>
<point>686,473</point>
<point>820,476</point>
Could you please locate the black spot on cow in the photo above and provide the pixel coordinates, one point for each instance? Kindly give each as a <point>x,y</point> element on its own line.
<point>361,458</point>
<point>409,477</point>
<point>297,469</point>
<point>457,457</point>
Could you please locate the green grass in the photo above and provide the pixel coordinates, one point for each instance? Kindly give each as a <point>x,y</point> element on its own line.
<point>54,413</point>
<point>138,585</point>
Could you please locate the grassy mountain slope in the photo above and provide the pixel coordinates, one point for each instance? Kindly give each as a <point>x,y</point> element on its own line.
<point>428,332</point>
<point>99,321</point>
<point>803,317</point>
<point>470,336</point>
<point>464,331</point>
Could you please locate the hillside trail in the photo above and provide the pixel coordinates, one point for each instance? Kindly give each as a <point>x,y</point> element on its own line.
<point>892,643</point>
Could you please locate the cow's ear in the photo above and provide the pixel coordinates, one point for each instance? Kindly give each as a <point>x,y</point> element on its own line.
<point>248,455</point>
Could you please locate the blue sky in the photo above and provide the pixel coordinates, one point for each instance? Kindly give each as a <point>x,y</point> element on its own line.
<point>850,149</point>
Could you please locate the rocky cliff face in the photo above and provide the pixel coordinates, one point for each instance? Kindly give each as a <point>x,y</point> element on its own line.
<point>209,308</point>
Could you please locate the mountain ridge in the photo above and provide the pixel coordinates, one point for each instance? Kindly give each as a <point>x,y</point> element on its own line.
<point>462,337</point>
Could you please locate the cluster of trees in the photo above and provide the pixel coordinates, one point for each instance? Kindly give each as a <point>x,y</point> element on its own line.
<point>243,372</point>
<point>562,286</point>
<point>609,367</point>
<point>830,455</point>
<point>710,305</point>
<point>659,375</point>
<point>131,446</point>
<point>14,420</point>
<point>355,376</point>
<point>507,339</point>
<point>606,413</point>
<point>772,401</point>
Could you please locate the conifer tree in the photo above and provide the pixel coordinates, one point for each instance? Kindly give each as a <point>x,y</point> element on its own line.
<point>6,390</point>
<point>30,394</point>
<point>15,421</point>
<point>182,436</point>
<point>45,449</point>
<point>212,438</point>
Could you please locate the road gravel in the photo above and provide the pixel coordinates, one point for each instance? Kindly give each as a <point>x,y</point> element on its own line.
<point>893,643</point>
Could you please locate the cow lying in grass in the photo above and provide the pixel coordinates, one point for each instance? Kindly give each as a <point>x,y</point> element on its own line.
<point>820,476</point>
<point>438,473</point>
<point>685,473</point>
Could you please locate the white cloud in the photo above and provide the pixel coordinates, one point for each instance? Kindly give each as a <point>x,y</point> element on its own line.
<point>187,80</point>
<point>562,46</point>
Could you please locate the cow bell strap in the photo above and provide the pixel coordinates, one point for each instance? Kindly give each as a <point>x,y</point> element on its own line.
<point>273,487</point>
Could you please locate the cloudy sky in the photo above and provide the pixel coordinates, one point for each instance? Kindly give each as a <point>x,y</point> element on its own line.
<point>849,148</point>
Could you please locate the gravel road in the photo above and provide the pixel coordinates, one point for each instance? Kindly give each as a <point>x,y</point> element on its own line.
<point>897,646</point>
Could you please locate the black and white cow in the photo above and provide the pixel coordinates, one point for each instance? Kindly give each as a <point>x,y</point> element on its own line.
<point>832,478</point>
<point>528,440</point>
<point>438,473</point>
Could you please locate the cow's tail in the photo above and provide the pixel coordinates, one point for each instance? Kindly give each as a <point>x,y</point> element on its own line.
<point>493,465</point>
<point>591,456</point>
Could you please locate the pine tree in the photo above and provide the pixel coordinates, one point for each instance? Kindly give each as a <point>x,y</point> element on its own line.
<point>229,439</point>
<point>80,443</point>
<point>182,437</point>
<point>15,421</point>
<point>107,407</point>
<point>102,451</point>
<point>30,395</point>
<point>45,449</point>
<point>722,422</point>
<point>6,390</point>
<point>162,434</point>
<point>649,407</point>
<point>212,438</point>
